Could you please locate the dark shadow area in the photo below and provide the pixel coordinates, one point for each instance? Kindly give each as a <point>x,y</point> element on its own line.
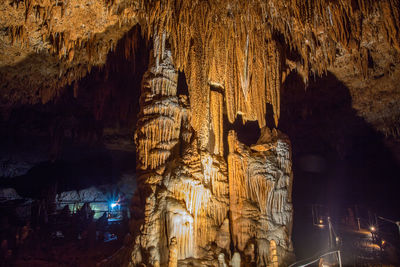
<point>247,133</point>
<point>67,160</point>
<point>269,116</point>
<point>182,87</point>
<point>339,160</point>
<point>94,117</point>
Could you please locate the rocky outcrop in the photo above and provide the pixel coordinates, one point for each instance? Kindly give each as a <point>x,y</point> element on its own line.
<point>16,164</point>
<point>8,194</point>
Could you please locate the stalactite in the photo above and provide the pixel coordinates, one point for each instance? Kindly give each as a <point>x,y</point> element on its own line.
<point>233,53</point>
<point>18,34</point>
<point>233,44</point>
<point>216,107</point>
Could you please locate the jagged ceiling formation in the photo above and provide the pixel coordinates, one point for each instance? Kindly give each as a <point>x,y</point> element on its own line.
<point>241,45</point>
<point>48,44</point>
<point>244,48</point>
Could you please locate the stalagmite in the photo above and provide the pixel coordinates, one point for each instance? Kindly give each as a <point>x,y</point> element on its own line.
<point>196,202</point>
<point>157,133</point>
<point>221,260</point>
<point>235,262</point>
<point>273,254</point>
<point>186,198</point>
<point>235,56</point>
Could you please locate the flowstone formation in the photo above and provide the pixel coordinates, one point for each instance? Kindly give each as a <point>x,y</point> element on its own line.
<point>199,208</point>
<point>260,180</point>
<point>186,205</point>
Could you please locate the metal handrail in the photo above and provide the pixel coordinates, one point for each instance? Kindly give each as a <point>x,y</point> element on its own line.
<point>323,255</point>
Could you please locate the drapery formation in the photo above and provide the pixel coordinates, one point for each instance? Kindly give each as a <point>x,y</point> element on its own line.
<point>201,208</point>
<point>184,189</point>
<point>242,46</point>
<point>198,207</point>
<point>260,180</point>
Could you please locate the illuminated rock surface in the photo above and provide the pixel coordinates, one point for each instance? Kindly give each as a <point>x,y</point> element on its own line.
<point>260,181</point>
<point>196,205</point>
<point>241,46</point>
<point>204,197</point>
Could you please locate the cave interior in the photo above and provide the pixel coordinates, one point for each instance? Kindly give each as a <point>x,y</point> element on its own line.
<point>199,133</point>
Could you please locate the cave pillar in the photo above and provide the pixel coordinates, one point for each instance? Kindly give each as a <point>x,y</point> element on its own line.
<point>216,110</point>
<point>259,194</point>
<point>157,134</point>
<point>183,184</point>
<point>197,204</point>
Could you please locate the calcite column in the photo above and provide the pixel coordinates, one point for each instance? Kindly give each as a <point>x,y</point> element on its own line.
<point>157,136</point>
<point>260,202</point>
<point>183,187</point>
<point>173,253</point>
<point>216,107</point>
<point>198,208</point>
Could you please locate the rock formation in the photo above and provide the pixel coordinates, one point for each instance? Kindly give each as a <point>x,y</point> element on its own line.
<point>241,46</point>
<point>200,208</point>
<point>186,189</point>
<point>260,181</point>
<point>204,197</point>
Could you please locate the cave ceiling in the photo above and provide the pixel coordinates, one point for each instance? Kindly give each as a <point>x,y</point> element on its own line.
<point>245,48</point>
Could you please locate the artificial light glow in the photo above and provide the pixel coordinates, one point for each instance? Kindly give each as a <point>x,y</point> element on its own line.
<point>372,228</point>
<point>321,221</point>
<point>113,205</point>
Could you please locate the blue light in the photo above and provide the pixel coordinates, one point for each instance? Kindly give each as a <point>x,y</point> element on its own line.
<point>114,204</point>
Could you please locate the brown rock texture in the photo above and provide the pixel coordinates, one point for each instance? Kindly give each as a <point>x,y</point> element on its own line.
<point>196,204</point>
<point>246,48</point>
<point>47,44</point>
<point>186,205</point>
<point>260,182</point>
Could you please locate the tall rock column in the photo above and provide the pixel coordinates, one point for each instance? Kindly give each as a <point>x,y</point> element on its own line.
<point>260,197</point>
<point>183,186</point>
<point>157,137</point>
<point>198,208</point>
